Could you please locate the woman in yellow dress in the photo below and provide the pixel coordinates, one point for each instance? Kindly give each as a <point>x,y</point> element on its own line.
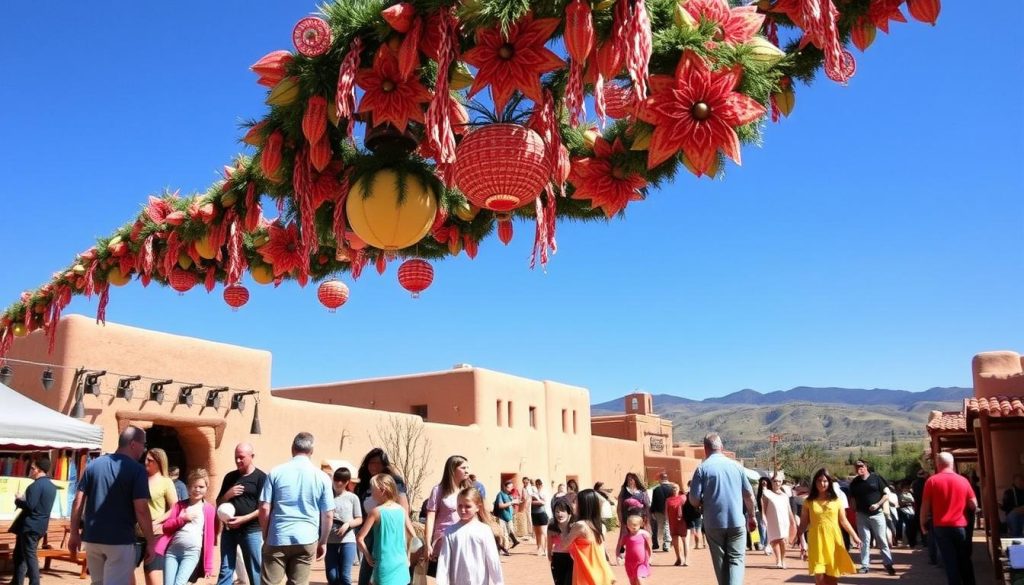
<point>823,516</point>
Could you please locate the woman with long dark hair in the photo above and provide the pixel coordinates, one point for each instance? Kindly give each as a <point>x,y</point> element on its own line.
<point>823,516</point>
<point>442,507</point>
<point>586,542</point>
<point>633,498</point>
<point>375,461</point>
<point>762,484</point>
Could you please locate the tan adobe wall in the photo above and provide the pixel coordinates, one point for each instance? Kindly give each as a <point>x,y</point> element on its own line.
<point>998,373</point>
<point>611,459</point>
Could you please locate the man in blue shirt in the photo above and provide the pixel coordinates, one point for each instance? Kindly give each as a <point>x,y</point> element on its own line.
<point>33,521</point>
<point>720,487</point>
<point>296,512</point>
<point>112,497</point>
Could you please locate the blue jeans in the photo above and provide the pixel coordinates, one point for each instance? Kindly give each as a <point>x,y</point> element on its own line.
<point>728,553</point>
<point>1015,523</point>
<point>252,556</point>
<point>338,562</point>
<point>866,527</point>
<point>955,549</point>
<point>178,566</point>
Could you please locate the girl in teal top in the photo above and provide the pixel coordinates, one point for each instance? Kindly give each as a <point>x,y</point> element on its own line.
<point>392,531</point>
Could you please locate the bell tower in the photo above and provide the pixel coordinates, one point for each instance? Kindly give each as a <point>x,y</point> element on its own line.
<point>639,403</point>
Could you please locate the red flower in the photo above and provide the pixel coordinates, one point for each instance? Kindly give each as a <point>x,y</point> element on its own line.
<point>601,180</point>
<point>283,250</point>
<point>696,112</point>
<point>882,11</point>
<point>513,62</point>
<point>735,25</point>
<point>387,98</point>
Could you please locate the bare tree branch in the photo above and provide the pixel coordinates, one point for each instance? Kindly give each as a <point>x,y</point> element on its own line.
<point>405,441</point>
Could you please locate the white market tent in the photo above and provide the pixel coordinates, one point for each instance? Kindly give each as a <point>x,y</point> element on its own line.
<point>24,424</point>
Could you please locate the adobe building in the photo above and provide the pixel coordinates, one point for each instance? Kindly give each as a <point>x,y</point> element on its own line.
<point>506,426</point>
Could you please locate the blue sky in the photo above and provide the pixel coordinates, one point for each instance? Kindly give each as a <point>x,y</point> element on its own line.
<point>875,240</point>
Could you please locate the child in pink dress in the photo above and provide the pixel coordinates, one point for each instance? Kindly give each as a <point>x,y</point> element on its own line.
<point>638,550</point>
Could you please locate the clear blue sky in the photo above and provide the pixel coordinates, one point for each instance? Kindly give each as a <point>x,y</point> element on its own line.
<point>875,240</point>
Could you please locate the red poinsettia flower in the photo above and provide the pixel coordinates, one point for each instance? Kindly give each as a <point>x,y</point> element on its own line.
<point>696,111</point>
<point>882,11</point>
<point>283,249</point>
<point>735,25</point>
<point>600,178</point>
<point>387,98</point>
<point>515,61</point>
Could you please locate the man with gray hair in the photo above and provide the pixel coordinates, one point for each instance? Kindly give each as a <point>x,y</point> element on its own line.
<point>296,511</point>
<point>112,496</point>
<point>720,487</point>
<point>947,494</point>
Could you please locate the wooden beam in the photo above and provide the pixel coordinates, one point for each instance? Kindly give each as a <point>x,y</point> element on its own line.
<point>988,493</point>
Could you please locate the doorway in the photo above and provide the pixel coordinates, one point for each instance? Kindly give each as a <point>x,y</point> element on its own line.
<point>166,438</point>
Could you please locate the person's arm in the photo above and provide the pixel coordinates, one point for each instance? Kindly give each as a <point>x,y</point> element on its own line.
<point>357,518</point>
<point>176,519</point>
<point>748,501</point>
<point>972,504</point>
<point>648,545</point>
<point>805,519</point>
<point>845,523</point>
<point>926,511</point>
<point>240,520</point>
<point>264,516</point>
<point>551,542</point>
<point>361,537</point>
<point>428,534</point>
<point>75,534</point>
<point>326,520</point>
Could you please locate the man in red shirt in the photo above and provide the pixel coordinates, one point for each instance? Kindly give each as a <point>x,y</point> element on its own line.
<point>947,495</point>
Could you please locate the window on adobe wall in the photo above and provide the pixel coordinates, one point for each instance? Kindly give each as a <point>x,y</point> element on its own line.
<point>420,410</point>
<point>635,404</point>
<point>510,421</point>
<point>533,417</point>
<point>574,421</point>
<point>565,420</point>
<point>500,413</point>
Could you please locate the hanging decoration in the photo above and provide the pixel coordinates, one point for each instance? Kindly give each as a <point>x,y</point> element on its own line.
<point>673,83</point>
<point>236,295</point>
<point>415,275</point>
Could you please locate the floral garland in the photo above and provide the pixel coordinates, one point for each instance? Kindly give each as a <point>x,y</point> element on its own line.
<point>671,82</point>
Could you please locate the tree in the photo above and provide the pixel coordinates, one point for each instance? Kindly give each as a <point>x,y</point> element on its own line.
<point>405,440</point>
<point>892,443</point>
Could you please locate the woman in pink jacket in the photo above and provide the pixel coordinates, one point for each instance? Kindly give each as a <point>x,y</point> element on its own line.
<point>188,534</point>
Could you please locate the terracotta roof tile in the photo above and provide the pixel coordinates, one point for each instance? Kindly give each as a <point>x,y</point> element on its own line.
<point>996,406</point>
<point>948,421</point>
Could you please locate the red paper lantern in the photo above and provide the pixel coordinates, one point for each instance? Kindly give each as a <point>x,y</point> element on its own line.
<point>504,228</point>
<point>181,280</point>
<point>332,294</point>
<point>924,10</point>
<point>501,166</point>
<point>312,36</point>
<point>236,296</point>
<point>415,276</point>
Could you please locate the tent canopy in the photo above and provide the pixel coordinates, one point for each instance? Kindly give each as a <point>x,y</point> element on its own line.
<point>24,423</point>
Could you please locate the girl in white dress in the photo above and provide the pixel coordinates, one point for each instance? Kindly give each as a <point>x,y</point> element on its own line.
<point>469,555</point>
<point>778,515</point>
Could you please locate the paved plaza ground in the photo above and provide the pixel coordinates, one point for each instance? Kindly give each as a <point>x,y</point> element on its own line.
<point>524,568</point>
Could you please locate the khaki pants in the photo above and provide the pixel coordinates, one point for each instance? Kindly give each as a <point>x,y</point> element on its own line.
<point>287,564</point>
<point>110,564</point>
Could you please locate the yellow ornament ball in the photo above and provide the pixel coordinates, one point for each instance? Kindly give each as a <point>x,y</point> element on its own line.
<point>184,261</point>
<point>118,278</point>
<point>467,211</point>
<point>384,222</point>
<point>205,248</point>
<point>262,274</point>
<point>19,330</point>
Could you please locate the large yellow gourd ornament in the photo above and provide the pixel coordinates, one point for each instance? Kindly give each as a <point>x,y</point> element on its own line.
<point>384,222</point>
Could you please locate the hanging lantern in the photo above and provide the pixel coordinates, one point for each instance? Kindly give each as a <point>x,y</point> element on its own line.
<point>332,294</point>
<point>181,280</point>
<point>384,222</point>
<point>236,296</point>
<point>415,276</point>
<point>312,36</point>
<point>504,227</point>
<point>501,166</point>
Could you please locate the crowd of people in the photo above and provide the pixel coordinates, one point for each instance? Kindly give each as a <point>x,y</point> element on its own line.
<point>129,514</point>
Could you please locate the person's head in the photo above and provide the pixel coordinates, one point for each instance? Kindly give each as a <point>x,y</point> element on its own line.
<point>243,458</point>
<point>156,462</point>
<point>132,442</point>
<point>821,486</point>
<point>572,486</point>
<point>472,477</point>
<point>598,486</point>
<point>508,486</point>
<point>674,487</point>
<point>302,444</point>
<point>538,483</point>
<point>342,476</point>
<point>776,484</point>
<point>455,475</point>
<point>588,509</point>
<point>632,481</point>
<point>712,443</point>
<point>173,472</point>
<point>944,460</point>
<point>375,461</point>
<point>527,482</point>
<point>763,483</point>
<point>663,477</point>
<point>634,522</point>
<point>39,467</point>
<point>561,512</point>
<point>1018,481</point>
<point>198,483</point>
<point>384,488</point>
<point>471,505</point>
<point>862,468</point>
<point>561,488</point>
<point>326,468</point>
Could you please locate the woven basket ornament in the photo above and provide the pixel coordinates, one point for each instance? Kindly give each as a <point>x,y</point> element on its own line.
<point>181,280</point>
<point>312,36</point>
<point>236,296</point>
<point>332,294</point>
<point>501,167</point>
<point>415,276</point>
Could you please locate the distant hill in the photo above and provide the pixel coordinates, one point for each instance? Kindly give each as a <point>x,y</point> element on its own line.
<point>834,418</point>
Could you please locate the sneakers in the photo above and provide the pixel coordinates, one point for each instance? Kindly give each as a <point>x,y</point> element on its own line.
<point>664,548</point>
<point>889,569</point>
<point>863,570</point>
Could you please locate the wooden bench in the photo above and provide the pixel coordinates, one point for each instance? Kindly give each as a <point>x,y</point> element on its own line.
<point>46,552</point>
